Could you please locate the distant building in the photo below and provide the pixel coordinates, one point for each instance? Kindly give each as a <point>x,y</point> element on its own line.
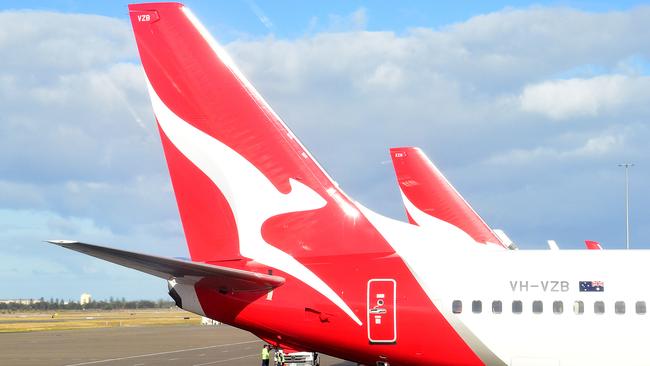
<point>85,299</point>
<point>20,301</point>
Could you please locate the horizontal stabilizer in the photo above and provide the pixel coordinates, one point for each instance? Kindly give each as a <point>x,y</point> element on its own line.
<point>222,278</point>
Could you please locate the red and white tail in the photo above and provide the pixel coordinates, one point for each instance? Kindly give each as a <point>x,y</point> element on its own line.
<point>246,187</point>
<point>427,193</point>
<point>593,245</point>
<point>251,197</point>
<point>234,164</point>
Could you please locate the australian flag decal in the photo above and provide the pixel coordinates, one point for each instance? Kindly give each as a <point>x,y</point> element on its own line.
<point>592,286</point>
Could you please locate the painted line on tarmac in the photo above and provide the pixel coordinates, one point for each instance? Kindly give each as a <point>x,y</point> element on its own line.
<point>226,360</point>
<point>160,353</point>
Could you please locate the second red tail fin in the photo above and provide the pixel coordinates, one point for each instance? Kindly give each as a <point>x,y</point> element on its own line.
<point>593,245</point>
<point>426,191</point>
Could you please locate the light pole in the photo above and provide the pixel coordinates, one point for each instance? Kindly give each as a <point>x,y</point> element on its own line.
<point>627,204</point>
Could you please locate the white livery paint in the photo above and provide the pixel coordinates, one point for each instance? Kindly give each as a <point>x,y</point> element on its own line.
<point>458,272</point>
<point>451,233</point>
<point>253,199</point>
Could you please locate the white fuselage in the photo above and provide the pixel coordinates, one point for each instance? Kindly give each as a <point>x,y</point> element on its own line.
<point>450,270</point>
<point>566,337</point>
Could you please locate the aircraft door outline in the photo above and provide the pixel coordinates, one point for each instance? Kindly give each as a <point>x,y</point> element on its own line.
<point>381,310</point>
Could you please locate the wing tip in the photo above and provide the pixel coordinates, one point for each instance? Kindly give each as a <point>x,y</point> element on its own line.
<point>61,241</point>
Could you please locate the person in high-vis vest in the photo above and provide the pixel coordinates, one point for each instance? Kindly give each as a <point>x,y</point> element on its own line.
<point>265,355</point>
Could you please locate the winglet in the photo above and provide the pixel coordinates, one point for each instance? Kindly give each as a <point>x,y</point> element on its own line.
<point>61,242</point>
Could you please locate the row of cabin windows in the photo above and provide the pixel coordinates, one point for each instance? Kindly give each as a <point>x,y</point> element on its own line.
<point>538,307</point>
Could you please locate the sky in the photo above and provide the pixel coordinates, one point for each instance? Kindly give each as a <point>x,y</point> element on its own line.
<point>526,107</point>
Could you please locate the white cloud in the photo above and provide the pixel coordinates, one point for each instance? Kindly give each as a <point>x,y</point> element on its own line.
<point>593,147</point>
<point>80,120</point>
<point>79,147</point>
<point>564,99</point>
<point>385,76</point>
<point>43,42</point>
<point>600,145</point>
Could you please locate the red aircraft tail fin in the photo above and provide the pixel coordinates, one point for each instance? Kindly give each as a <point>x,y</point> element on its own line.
<point>425,190</point>
<point>253,201</point>
<point>246,188</point>
<point>235,166</point>
<point>593,245</point>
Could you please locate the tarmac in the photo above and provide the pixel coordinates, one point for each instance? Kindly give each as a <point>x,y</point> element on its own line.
<point>138,346</point>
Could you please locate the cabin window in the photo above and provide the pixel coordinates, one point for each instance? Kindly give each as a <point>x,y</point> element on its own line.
<point>599,307</point>
<point>517,307</point>
<point>497,307</point>
<point>619,307</point>
<point>477,306</point>
<point>538,307</point>
<point>457,307</point>
<point>558,307</point>
<point>640,307</point>
<point>579,307</point>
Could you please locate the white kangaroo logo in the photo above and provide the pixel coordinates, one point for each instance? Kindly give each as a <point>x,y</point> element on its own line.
<point>252,197</point>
